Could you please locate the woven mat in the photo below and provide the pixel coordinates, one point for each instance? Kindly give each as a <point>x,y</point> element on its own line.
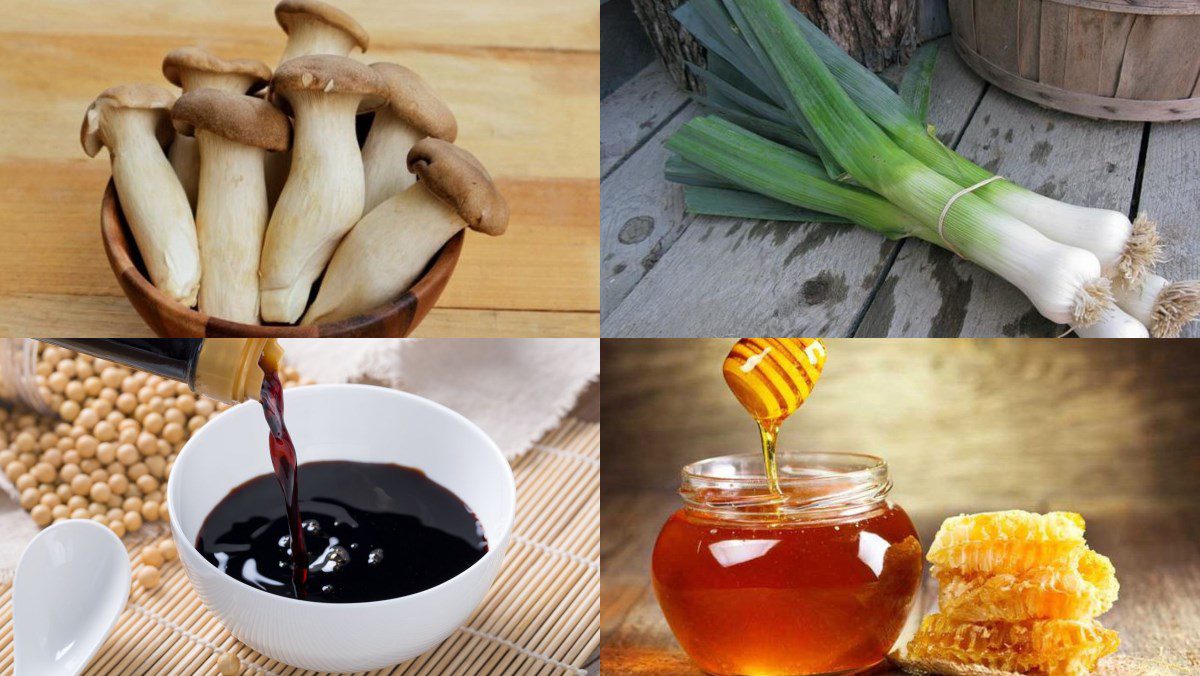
<point>542,615</point>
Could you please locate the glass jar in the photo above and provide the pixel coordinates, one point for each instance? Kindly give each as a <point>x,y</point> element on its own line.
<point>815,579</point>
<point>18,375</point>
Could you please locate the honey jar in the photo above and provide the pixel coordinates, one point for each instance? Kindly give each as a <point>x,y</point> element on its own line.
<point>816,578</point>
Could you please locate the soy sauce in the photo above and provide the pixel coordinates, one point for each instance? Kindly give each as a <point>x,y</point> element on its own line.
<point>283,459</point>
<point>375,531</point>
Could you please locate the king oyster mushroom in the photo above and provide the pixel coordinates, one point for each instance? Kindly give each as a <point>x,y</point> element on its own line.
<point>413,112</point>
<point>234,131</point>
<point>276,166</point>
<point>134,123</point>
<point>193,68</point>
<point>314,27</point>
<point>323,196</point>
<point>391,246</point>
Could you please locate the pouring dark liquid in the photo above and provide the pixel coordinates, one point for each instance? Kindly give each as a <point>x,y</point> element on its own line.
<point>283,459</point>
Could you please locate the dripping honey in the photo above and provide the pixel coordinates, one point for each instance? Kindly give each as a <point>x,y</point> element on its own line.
<point>772,378</point>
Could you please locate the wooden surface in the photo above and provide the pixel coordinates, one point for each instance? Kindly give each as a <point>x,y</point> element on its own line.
<point>1103,428</point>
<point>724,277</point>
<point>522,76</point>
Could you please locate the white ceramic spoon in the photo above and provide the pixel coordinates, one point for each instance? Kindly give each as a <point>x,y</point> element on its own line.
<point>70,587</point>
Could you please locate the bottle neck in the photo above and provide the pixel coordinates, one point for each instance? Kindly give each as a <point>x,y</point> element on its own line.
<point>225,369</point>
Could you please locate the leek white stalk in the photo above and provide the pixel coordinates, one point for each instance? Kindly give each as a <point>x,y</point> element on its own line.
<point>1114,324</point>
<point>1162,305</point>
<point>1064,283</point>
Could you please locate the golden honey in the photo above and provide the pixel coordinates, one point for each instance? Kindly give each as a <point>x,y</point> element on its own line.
<point>815,579</point>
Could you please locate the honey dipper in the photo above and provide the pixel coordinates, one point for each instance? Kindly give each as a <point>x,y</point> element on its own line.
<point>772,377</point>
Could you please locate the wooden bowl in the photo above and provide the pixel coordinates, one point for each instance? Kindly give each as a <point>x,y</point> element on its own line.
<point>170,318</point>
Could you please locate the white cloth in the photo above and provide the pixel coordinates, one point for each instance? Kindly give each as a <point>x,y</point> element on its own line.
<point>515,389</point>
<point>16,530</point>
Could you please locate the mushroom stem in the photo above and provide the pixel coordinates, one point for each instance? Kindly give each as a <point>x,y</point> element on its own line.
<point>310,36</point>
<point>185,160</point>
<point>192,69</point>
<point>231,218</point>
<point>383,155</point>
<point>154,203</point>
<point>276,167</point>
<point>384,254</point>
<point>321,200</point>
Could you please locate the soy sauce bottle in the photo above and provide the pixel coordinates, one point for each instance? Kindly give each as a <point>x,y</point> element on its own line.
<point>225,369</point>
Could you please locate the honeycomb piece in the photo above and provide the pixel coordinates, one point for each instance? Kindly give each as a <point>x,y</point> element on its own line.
<point>1082,592</point>
<point>1050,647</point>
<point>1008,542</point>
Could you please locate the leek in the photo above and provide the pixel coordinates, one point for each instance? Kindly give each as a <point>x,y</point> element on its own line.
<point>752,163</point>
<point>728,202</point>
<point>1163,306</point>
<point>918,79</point>
<point>1064,283</point>
<point>750,104</point>
<point>1114,324</point>
<point>778,86</point>
<point>774,131</point>
<point>706,192</point>
<point>1126,250</point>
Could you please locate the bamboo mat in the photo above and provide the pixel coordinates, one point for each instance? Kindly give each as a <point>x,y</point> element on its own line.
<point>541,616</point>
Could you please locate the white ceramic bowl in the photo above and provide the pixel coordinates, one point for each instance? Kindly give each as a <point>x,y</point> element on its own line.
<point>343,422</point>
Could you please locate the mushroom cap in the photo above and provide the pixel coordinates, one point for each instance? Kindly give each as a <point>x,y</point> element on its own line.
<point>197,58</point>
<point>129,96</point>
<point>288,10</point>
<point>243,119</point>
<point>454,176</point>
<point>331,74</point>
<point>413,101</point>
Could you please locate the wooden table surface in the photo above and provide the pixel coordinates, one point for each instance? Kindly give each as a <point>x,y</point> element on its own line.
<point>522,76</point>
<point>1155,548</point>
<point>667,273</point>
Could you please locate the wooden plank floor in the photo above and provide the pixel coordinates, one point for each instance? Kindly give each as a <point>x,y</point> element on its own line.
<point>522,76</point>
<point>667,273</point>
<point>1154,548</point>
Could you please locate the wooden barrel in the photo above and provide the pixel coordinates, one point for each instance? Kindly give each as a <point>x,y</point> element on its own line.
<point>1109,59</point>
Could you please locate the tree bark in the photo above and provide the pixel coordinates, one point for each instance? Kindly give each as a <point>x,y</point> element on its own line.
<point>878,33</point>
